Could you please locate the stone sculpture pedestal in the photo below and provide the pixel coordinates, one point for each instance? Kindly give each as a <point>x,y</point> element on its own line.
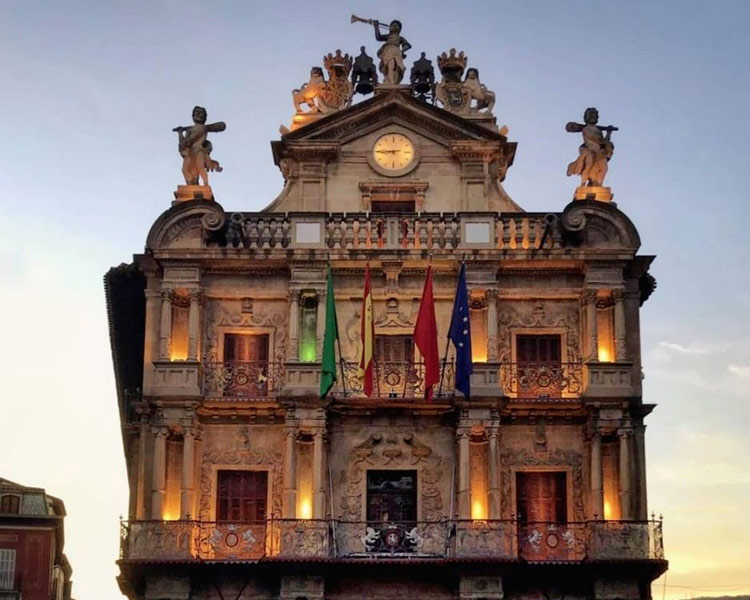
<point>305,118</point>
<point>590,192</point>
<point>193,192</point>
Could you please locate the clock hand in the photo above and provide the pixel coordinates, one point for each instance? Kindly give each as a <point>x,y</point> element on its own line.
<point>386,151</point>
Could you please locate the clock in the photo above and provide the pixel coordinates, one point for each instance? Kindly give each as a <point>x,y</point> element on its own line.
<point>394,154</point>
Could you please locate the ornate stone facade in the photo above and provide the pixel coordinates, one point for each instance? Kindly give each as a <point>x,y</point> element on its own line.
<point>246,483</point>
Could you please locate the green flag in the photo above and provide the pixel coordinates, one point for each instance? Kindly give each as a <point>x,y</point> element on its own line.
<point>328,364</point>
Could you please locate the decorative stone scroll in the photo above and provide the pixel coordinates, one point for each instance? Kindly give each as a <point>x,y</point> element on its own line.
<point>380,451</point>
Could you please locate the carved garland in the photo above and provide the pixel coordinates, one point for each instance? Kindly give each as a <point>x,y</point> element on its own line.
<point>380,452</point>
<point>267,459</point>
<point>510,458</point>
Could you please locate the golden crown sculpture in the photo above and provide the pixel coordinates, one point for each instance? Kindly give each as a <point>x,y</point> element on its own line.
<point>452,60</point>
<point>338,60</point>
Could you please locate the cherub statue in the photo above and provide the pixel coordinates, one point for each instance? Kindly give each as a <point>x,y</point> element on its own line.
<point>392,53</point>
<point>309,92</point>
<point>595,152</point>
<point>485,99</point>
<point>195,148</point>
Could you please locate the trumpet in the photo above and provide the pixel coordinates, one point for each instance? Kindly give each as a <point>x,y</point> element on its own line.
<point>356,19</point>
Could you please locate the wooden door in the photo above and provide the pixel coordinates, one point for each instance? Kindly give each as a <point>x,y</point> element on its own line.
<point>246,368</point>
<point>242,496</point>
<point>541,497</point>
<point>538,366</point>
<point>394,365</point>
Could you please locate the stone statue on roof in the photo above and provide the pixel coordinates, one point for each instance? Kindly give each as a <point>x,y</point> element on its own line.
<point>195,148</point>
<point>393,52</point>
<point>596,150</point>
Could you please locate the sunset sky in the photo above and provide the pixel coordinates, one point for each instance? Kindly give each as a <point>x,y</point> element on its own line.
<point>92,90</point>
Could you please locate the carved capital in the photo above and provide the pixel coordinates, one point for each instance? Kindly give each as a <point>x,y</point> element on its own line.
<point>294,295</point>
<point>618,294</point>
<point>625,432</point>
<point>588,296</point>
<point>492,295</point>
<point>196,295</point>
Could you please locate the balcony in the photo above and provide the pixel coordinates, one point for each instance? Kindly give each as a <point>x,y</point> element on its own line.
<point>245,381</point>
<point>439,232</point>
<point>395,380</point>
<point>541,380</point>
<point>302,539</point>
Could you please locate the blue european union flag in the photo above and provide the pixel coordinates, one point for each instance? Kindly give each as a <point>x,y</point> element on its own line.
<point>460,335</point>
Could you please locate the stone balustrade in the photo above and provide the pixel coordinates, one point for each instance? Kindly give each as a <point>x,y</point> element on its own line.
<point>404,231</point>
<point>317,539</point>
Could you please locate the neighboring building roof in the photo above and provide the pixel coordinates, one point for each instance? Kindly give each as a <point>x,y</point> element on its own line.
<point>34,501</point>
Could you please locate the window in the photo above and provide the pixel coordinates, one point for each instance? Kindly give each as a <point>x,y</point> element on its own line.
<point>242,496</point>
<point>539,370</point>
<point>7,565</point>
<point>243,347</point>
<point>308,337</point>
<point>10,504</point>
<point>541,497</point>
<point>394,348</point>
<point>391,496</point>
<point>246,365</point>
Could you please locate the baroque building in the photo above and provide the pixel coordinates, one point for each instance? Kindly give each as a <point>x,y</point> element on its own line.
<point>246,484</point>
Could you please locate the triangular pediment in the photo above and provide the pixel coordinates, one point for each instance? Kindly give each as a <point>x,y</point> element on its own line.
<point>456,162</point>
<point>393,107</point>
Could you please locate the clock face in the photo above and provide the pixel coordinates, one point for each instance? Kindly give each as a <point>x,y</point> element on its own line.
<point>393,152</point>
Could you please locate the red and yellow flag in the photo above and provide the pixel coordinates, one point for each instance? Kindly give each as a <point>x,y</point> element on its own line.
<point>367,338</point>
<point>425,337</point>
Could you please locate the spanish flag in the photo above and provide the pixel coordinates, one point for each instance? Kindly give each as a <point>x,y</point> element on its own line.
<point>367,337</point>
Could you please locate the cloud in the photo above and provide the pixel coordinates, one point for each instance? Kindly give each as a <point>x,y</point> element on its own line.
<point>689,349</point>
<point>742,371</point>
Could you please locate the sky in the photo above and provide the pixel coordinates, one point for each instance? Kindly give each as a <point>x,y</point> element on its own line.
<point>92,90</point>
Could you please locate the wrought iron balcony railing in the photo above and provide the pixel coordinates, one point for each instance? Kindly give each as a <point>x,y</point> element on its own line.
<point>246,380</point>
<point>541,379</point>
<point>336,539</point>
<point>393,379</point>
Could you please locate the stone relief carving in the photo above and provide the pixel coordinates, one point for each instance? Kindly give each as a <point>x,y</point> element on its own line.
<point>392,450</point>
<point>267,459</point>
<point>540,314</point>
<point>229,313</point>
<point>511,457</point>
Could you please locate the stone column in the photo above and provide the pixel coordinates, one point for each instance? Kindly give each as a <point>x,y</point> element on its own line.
<point>194,324</point>
<point>151,332</point>
<point>492,325</point>
<point>188,474</point>
<point>589,299</point>
<point>625,487</point>
<point>293,351</point>
<point>290,473</point>
<point>140,506</point>
<point>639,434</point>
<point>620,333</point>
<point>320,322</point>
<point>318,476</point>
<point>464,483</point>
<point>493,461</point>
<point>597,491</point>
<point>165,330</point>
<point>159,473</point>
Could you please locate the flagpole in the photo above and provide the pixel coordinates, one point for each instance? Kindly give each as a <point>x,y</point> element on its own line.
<point>448,337</point>
<point>338,337</point>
